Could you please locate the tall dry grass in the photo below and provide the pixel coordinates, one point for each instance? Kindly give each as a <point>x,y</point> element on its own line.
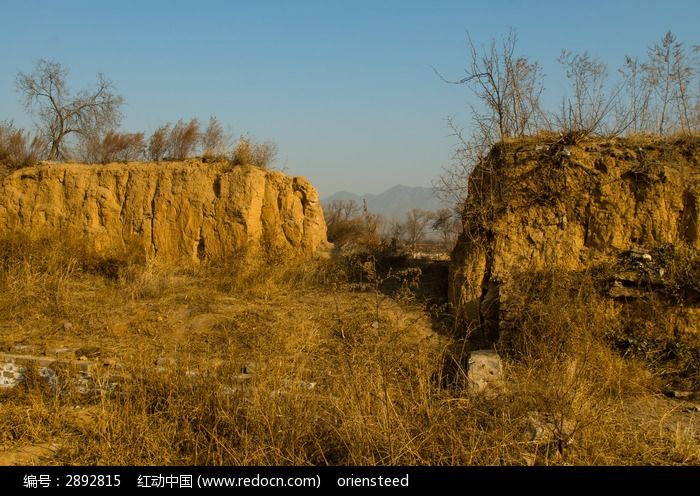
<point>252,361</point>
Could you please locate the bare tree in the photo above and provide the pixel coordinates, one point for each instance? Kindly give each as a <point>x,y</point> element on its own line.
<point>393,234</point>
<point>340,211</point>
<point>372,226</point>
<point>46,94</point>
<point>446,223</point>
<point>590,109</point>
<point>342,221</point>
<point>348,224</point>
<point>661,94</point>
<point>264,154</point>
<point>660,74</point>
<point>507,88</point>
<point>669,74</point>
<point>214,140</point>
<point>696,64</point>
<point>663,91</point>
<point>636,110</point>
<point>469,150</point>
<point>414,227</point>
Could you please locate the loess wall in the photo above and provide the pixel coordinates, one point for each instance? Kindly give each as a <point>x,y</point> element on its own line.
<point>171,211</point>
<point>537,204</point>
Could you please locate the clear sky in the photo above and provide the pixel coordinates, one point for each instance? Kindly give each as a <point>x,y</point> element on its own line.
<point>345,88</point>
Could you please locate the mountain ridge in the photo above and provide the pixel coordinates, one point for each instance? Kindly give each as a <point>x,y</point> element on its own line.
<point>393,203</point>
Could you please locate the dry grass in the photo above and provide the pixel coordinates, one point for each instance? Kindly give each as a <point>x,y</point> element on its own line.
<point>269,363</point>
<point>18,148</point>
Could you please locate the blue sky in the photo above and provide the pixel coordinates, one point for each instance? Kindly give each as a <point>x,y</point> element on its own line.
<point>346,89</point>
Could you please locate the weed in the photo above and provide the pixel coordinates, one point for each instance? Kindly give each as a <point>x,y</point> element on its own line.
<point>241,361</point>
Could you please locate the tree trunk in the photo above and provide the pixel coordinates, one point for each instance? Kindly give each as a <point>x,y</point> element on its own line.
<point>53,153</point>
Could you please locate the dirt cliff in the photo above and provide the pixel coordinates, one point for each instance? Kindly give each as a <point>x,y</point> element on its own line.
<point>542,203</point>
<point>173,210</point>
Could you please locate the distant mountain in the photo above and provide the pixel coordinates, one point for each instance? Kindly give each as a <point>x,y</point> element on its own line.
<point>395,202</point>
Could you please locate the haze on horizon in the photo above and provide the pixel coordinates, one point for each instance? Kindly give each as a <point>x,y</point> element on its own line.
<point>346,89</point>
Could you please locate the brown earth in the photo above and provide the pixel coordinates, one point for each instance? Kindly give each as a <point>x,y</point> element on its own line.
<point>168,211</point>
<point>540,204</point>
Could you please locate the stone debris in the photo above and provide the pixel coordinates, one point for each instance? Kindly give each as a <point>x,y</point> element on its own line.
<point>485,371</point>
<point>61,351</point>
<point>25,349</point>
<point>60,374</point>
<point>307,385</point>
<point>640,254</point>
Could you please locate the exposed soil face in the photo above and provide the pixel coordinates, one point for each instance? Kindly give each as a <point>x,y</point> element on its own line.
<point>166,211</point>
<point>537,204</point>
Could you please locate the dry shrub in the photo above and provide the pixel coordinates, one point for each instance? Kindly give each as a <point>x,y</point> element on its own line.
<point>556,320</point>
<point>357,234</point>
<point>158,143</point>
<point>40,273</point>
<point>270,272</point>
<point>18,148</point>
<point>116,147</point>
<point>51,253</point>
<point>214,141</point>
<point>183,139</point>
<point>657,334</point>
<point>248,152</point>
<point>344,231</point>
<point>563,367</point>
<point>32,418</point>
<point>313,398</point>
<point>174,142</point>
<point>682,272</point>
<point>310,371</point>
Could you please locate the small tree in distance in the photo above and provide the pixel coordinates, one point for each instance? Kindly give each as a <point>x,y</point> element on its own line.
<point>446,224</point>
<point>414,227</point>
<point>46,94</point>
